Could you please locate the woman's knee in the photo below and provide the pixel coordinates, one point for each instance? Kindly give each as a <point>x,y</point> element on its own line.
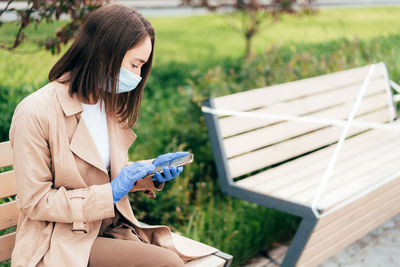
<point>171,259</point>
<point>117,252</point>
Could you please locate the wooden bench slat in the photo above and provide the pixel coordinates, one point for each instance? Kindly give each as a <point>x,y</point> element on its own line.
<point>353,231</point>
<point>339,231</point>
<point>352,155</point>
<point>344,170</point>
<point>6,246</point>
<point>302,188</point>
<point>375,219</point>
<point>349,157</point>
<point>256,160</point>
<point>346,181</point>
<point>358,181</point>
<point>294,171</point>
<point>337,214</point>
<point>5,154</point>
<point>279,132</point>
<point>234,125</point>
<point>268,95</point>
<point>9,213</point>
<point>348,215</point>
<point>210,260</point>
<point>7,184</point>
<point>361,181</point>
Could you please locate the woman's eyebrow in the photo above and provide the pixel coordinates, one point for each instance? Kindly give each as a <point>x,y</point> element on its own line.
<point>141,60</point>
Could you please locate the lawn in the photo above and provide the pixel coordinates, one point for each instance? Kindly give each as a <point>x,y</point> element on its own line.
<point>208,38</point>
<point>202,37</point>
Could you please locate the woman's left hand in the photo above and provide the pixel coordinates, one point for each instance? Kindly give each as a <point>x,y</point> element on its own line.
<point>168,174</point>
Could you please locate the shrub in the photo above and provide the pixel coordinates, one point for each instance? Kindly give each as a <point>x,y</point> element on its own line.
<point>9,98</point>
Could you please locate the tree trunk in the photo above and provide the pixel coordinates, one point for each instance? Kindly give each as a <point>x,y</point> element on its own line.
<point>247,52</point>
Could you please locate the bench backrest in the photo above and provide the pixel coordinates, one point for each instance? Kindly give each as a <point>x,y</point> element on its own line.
<point>8,210</point>
<point>244,146</point>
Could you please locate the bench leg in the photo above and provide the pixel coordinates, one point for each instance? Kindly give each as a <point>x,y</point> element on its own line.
<point>299,241</point>
<point>227,257</point>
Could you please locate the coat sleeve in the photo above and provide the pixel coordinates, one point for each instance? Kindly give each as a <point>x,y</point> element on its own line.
<point>37,198</point>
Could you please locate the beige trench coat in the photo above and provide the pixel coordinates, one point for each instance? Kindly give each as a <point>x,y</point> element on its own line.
<point>63,187</point>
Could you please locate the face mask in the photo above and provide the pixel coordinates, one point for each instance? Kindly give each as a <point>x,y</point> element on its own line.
<point>127,81</point>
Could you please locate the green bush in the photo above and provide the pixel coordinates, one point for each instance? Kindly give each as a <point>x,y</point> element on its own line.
<point>9,98</point>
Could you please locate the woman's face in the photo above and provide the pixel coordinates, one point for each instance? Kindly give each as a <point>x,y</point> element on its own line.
<point>137,56</point>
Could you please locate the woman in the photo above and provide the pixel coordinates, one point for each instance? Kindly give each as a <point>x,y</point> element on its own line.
<point>70,144</point>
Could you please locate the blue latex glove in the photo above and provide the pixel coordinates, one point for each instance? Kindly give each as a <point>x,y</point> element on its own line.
<point>127,178</point>
<point>168,173</point>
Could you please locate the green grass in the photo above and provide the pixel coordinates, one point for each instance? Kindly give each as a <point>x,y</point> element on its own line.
<point>212,36</point>
<point>28,65</point>
<point>208,38</point>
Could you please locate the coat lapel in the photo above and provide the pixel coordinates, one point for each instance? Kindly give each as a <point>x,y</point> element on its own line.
<point>81,143</point>
<point>83,146</point>
<point>121,140</point>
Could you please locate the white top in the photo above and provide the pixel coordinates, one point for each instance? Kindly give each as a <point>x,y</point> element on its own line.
<point>96,121</point>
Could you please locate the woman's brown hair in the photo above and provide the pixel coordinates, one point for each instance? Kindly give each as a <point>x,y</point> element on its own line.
<point>96,55</point>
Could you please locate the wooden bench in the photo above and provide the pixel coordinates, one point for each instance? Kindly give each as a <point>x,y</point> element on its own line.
<point>9,213</point>
<point>280,147</point>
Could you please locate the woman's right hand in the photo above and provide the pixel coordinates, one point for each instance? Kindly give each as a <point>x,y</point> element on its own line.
<point>127,178</point>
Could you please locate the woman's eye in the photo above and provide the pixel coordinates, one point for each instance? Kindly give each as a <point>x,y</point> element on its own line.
<point>134,66</point>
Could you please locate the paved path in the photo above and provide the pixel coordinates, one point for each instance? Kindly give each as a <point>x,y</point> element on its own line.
<point>379,248</point>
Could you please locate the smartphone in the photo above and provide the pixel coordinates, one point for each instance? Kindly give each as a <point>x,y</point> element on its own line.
<point>183,160</point>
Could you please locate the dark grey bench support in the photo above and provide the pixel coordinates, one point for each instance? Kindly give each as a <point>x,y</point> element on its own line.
<point>308,219</point>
